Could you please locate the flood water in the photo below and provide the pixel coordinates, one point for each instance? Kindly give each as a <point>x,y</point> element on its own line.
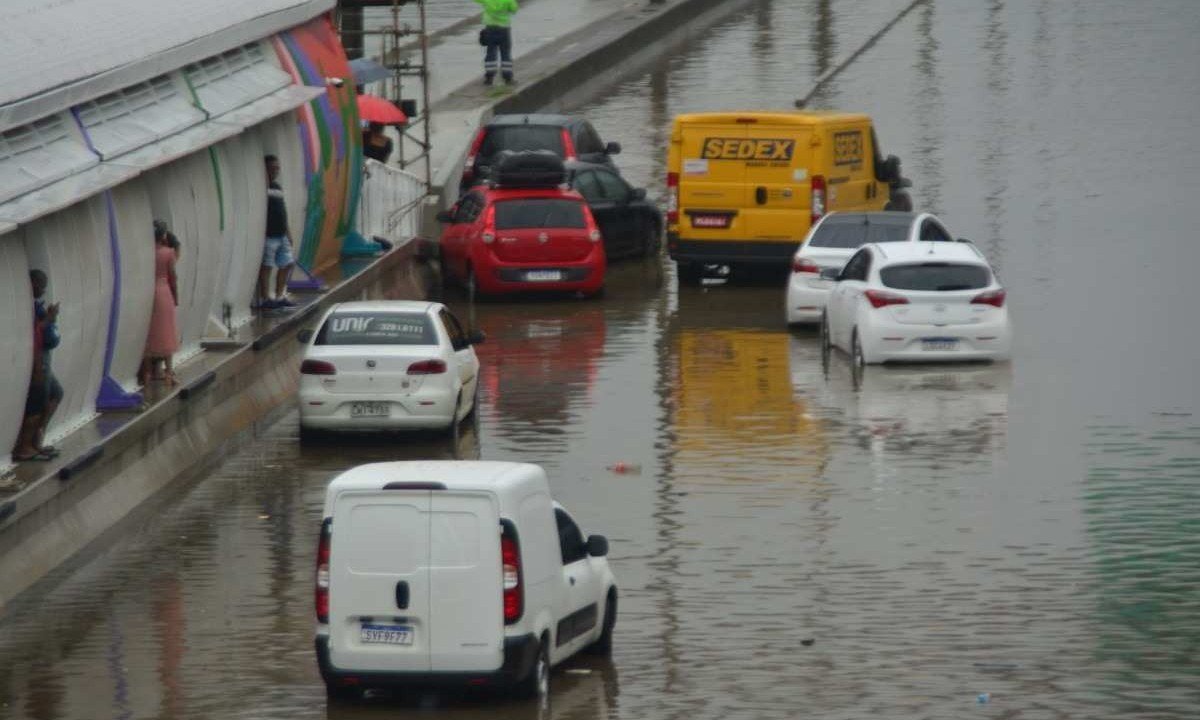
<point>1027,530</point>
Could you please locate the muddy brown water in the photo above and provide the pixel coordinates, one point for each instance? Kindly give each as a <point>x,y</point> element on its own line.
<point>1028,530</point>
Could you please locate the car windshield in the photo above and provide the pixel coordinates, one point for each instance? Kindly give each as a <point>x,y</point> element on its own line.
<point>521,138</point>
<point>539,213</point>
<point>846,234</point>
<point>936,277</point>
<point>377,328</point>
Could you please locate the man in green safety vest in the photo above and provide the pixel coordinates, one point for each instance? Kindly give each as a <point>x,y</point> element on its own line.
<point>496,36</point>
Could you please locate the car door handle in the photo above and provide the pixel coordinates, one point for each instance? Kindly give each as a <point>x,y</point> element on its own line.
<point>572,579</point>
<point>402,595</point>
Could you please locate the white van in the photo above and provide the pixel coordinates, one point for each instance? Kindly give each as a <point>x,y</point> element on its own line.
<point>454,573</point>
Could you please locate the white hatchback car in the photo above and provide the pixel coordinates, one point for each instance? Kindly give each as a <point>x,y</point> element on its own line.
<point>831,242</point>
<point>921,301</point>
<point>388,365</point>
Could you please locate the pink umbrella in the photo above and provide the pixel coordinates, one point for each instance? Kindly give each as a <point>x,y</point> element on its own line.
<point>373,108</point>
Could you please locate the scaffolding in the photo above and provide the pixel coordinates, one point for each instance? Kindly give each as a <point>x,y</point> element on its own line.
<point>401,45</point>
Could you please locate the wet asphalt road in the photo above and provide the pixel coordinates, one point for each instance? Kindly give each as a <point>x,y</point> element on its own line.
<point>1028,530</point>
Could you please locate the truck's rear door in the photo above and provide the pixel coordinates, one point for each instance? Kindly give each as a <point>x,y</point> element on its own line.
<point>466,583</point>
<point>778,179</point>
<point>711,180</point>
<point>379,581</point>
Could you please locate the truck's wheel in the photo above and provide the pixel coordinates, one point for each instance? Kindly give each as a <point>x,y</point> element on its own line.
<point>689,273</point>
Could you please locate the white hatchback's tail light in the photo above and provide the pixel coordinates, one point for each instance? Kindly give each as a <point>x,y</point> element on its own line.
<point>804,265</point>
<point>995,298</point>
<point>883,298</point>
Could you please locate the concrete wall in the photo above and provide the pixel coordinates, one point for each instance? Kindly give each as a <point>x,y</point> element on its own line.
<point>185,147</point>
<point>248,387</point>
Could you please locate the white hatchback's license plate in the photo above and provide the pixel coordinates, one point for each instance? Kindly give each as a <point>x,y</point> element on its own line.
<point>369,409</point>
<point>386,635</point>
<point>939,344</point>
<point>543,275</point>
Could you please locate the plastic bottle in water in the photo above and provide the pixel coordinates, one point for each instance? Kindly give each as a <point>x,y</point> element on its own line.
<point>624,468</point>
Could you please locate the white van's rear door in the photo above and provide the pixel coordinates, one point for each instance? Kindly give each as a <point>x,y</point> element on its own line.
<point>465,583</point>
<point>379,581</point>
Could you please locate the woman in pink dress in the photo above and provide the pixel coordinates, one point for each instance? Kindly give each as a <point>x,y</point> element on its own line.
<point>163,339</point>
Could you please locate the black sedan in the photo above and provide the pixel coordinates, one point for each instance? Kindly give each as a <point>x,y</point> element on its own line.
<point>632,226</point>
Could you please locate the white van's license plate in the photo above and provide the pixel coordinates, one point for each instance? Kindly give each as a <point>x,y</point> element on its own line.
<point>386,635</point>
<point>369,409</point>
<point>939,344</point>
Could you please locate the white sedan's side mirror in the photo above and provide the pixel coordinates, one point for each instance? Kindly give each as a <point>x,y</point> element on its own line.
<point>830,274</point>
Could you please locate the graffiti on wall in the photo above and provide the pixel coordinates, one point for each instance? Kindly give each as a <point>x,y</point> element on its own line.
<point>330,138</point>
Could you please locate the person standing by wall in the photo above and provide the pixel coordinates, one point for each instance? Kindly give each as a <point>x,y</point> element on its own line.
<point>162,341</point>
<point>497,37</point>
<point>277,251</point>
<point>45,392</point>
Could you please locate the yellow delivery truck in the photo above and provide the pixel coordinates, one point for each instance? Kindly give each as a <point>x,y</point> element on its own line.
<point>744,187</point>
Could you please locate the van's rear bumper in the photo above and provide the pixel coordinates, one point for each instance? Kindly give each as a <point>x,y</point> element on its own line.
<point>731,251</point>
<point>519,655</point>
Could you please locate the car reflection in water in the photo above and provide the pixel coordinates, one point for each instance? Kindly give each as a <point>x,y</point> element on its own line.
<point>919,411</point>
<point>539,363</point>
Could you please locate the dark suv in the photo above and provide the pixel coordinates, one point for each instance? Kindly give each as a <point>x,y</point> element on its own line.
<point>570,138</point>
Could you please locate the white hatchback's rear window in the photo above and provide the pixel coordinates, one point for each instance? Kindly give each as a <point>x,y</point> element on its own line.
<point>936,277</point>
<point>377,328</point>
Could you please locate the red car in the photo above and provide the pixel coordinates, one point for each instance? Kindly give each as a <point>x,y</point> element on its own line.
<point>523,231</point>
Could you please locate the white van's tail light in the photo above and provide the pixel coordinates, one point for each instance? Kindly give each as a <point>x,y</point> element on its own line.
<point>995,298</point>
<point>818,197</point>
<point>317,367</point>
<point>427,367</point>
<point>321,596</point>
<point>510,561</point>
<point>804,265</point>
<point>883,298</point>
<point>673,198</point>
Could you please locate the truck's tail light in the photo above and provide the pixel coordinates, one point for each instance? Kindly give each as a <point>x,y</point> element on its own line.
<point>473,155</point>
<point>427,367</point>
<point>804,265</point>
<point>568,146</point>
<point>883,298</point>
<point>510,561</point>
<point>321,595</point>
<point>673,198</point>
<point>995,298</point>
<point>317,367</point>
<point>818,197</point>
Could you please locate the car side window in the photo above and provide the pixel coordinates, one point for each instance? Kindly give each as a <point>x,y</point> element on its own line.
<point>570,538</point>
<point>458,338</point>
<point>585,183</point>
<point>858,267</point>
<point>614,188</point>
<point>588,140</point>
<point>463,210</point>
<point>932,231</point>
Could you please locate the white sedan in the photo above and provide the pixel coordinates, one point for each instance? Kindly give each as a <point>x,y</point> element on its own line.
<point>920,301</point>
<point>388,365</point>
<point>831,242</point>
